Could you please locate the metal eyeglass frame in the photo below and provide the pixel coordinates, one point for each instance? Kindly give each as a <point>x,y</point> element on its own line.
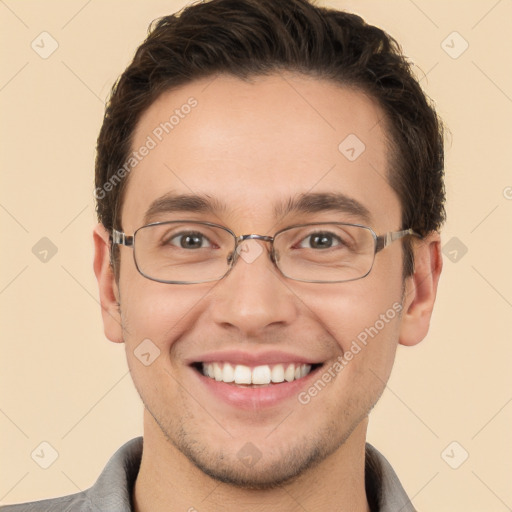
<point>380,243</point>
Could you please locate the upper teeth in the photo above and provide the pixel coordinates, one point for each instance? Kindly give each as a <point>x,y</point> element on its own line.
<point>265,374</point>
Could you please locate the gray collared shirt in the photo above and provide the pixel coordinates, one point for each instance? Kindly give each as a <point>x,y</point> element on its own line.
<point>113,490</point>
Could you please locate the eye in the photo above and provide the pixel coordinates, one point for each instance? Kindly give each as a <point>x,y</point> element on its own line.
<point>189,240</point>
<point>321,240</point>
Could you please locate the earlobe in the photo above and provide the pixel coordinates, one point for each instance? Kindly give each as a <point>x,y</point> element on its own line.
<point>108,289</point>
<point>421,289</point>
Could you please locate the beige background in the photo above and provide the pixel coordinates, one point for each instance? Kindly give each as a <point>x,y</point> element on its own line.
<point>63,383</point>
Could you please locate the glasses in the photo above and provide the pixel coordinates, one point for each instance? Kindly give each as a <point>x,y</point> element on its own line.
<point>190,252</point>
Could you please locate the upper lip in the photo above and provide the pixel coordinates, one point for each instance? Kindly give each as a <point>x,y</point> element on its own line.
<point>252,358</point>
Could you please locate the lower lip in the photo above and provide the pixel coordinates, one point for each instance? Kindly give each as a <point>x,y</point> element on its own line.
<point>251,398</point>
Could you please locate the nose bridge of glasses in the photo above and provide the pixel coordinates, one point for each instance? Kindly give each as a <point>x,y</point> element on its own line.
<point>264,238</point>
<point>249,252</point>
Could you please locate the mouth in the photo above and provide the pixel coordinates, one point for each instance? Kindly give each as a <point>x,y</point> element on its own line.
<point>254,380</point>
<point>264,375</point>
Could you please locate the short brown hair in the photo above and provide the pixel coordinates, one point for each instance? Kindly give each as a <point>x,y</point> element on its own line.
<point>246,38</point>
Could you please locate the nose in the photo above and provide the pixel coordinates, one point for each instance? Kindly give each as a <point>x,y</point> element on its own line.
<point>254,296</point>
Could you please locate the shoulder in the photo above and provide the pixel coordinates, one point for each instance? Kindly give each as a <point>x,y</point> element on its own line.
<point>75,502</point>
<point>111,492</point>
<point>383,488</point>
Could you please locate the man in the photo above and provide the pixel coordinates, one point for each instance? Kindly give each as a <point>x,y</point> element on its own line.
<point>269,186</point>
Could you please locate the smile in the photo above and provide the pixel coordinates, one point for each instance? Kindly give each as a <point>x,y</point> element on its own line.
<point>262,375</point>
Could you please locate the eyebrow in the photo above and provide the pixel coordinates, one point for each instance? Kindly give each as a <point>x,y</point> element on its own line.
<point>170,203</point>
<point>304,203</point>
<point>323,202</point>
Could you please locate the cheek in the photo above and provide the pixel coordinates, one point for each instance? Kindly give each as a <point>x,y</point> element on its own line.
<point>365,329</point>
<point>156,311</point>
<point>154,317</point>
<point>349,308</point>
<point>363,317</point>
<point>366,332</point>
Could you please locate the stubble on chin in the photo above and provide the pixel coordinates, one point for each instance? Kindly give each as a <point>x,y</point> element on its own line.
<point>274,467</point>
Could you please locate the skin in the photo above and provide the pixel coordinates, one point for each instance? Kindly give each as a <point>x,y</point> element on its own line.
<point>250,145</point>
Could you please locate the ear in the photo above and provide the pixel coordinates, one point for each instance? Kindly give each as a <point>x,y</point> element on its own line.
<point>109,291</point>
<point>421,289</point>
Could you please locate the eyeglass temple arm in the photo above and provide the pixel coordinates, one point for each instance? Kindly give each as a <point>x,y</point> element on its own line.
<point>385,240</point>
<point>121,239</point>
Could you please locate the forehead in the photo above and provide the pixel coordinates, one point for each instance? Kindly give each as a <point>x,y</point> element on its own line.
<point>251,147</point>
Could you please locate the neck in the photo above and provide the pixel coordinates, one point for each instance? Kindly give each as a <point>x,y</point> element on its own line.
<point>168,481</point>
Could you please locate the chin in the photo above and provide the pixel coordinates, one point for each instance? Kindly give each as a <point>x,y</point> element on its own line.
<point>257,473</point>
<point>260,465</point>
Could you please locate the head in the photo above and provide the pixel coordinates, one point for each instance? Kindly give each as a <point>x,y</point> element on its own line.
<point>246,105</point>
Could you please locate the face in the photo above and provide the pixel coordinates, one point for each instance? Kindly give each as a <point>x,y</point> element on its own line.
<point>249,149</point>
